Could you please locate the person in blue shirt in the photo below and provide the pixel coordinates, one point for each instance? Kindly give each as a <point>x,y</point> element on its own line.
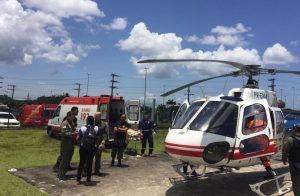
<point>147,127</point>
<point>88,139</point>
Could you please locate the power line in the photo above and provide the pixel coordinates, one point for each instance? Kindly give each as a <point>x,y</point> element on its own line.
<point>113,81</point>
<point>78,89</point>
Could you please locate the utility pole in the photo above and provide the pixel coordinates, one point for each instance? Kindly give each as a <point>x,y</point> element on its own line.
<point>1,83</point>
<point>285,99</point>
<point>145,88</point>
<point>87,84</point>
<point>164,96</point>
<point>112,87</point>
<point>293,97</point>
<point>272,80</point>
<point>188,94</point>
<point>78,89</point>
<point>13,88</point>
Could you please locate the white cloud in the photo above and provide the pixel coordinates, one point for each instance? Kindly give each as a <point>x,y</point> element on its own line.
<point>222,35</point>
<point>278,54</point>
<point>209,40</point>
<point>223,30</point>
<point>116,24</point>
<point>28,34</point>
<point>294,42</point>
<point>150,44</point>
<point>146,44</point>
<point>83,9</point>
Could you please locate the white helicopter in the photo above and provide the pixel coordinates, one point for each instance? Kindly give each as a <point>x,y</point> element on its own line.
<point>230,131</point>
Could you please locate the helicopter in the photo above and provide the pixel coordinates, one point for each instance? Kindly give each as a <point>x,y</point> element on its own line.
<point>224,131</point>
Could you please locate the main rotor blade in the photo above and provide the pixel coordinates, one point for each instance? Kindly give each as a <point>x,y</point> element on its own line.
<point>276,71</point>
<point>196,82</point>
<point>234,64</point>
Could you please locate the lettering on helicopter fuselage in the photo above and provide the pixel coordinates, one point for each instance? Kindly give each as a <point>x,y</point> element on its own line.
<point>259,95</point>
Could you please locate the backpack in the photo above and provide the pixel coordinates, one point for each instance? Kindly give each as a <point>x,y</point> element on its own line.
<point>89,139</point>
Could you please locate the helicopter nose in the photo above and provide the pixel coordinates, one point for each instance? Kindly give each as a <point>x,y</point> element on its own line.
<point>196,146</point>
<point>179,144</point>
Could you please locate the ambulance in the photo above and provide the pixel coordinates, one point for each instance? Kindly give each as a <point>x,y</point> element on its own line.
<point>36,114</point>
<point>110,107</point>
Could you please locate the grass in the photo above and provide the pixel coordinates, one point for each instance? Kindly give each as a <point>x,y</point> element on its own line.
<point>32,148</point>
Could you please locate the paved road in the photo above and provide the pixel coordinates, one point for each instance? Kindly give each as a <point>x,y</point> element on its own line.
<point>151,176</point>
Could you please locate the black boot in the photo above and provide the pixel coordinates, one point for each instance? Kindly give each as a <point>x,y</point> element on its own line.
<point>112,163</point>
<point>56,167</point>
<point>119,163</point>
<point>270,173</point>
<point>184,169</point>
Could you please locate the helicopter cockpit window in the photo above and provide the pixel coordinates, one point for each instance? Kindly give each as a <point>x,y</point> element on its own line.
<point>255,119</point>
<point>279,122</point>
<point>187,115</point>
<point>180,112</point>
<point>217,117</point>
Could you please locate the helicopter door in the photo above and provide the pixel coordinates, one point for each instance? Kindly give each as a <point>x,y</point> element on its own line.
<point>278,128</point>
<point>184,106</point>
<point>255,135</point>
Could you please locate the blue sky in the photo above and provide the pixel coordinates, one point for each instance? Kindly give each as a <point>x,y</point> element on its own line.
<point>47,47</point>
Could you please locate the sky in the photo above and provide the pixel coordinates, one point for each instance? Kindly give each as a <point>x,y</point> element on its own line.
<point>48,46</point>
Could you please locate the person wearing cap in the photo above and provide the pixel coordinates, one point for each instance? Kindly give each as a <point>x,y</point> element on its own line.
<point>67,145</point>
<point>74,111</point>
<point>291,154</point>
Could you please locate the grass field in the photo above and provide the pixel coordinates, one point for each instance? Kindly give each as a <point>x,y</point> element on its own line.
<point>31,148</point>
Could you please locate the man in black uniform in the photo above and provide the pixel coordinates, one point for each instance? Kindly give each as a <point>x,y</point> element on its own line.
<point>146,128</point>
<point>291,153</point>
<point>119,144</point>
<point>74,111</point>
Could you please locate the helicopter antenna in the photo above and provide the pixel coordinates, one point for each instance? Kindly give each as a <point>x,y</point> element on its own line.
<point>243,80</point>
<point>202,91</point>
<point>225,84</point>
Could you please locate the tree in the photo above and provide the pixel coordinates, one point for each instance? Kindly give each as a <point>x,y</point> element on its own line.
<point>171,102</point>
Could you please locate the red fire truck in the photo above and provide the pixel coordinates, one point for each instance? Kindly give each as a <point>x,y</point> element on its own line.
<point>36,114</point>
<point>110,107</point>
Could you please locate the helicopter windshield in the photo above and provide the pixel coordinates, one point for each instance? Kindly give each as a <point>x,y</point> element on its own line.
<point>217,117</point>
<point>187,115</point>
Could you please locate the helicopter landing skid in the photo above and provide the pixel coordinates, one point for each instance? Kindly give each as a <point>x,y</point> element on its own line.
<point>189,175</point>
<point>281,191</point>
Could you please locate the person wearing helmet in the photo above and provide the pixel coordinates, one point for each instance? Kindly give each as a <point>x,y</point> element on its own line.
<point>290,154</point>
